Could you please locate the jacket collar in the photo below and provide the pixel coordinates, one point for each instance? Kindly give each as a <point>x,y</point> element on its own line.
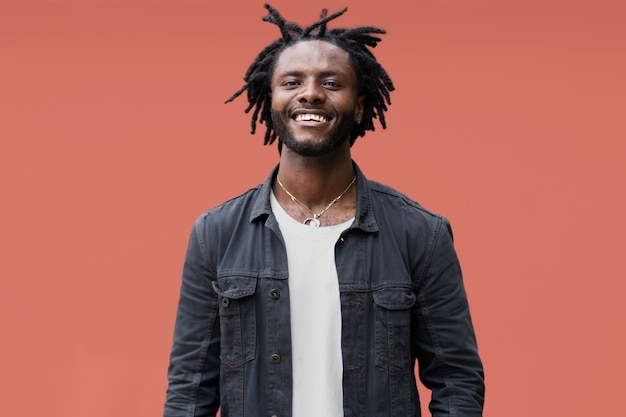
<point>364,217</point>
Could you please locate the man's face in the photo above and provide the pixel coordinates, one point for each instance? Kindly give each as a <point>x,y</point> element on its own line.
<point>315,98</point>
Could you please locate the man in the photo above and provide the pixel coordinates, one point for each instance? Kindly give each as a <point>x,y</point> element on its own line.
<point>314,293</point>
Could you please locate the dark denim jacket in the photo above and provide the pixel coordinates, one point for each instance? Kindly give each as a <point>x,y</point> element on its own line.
<point>402,299</point>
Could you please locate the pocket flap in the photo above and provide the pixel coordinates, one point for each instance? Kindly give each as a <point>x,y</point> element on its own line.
<point>235,287</point>
<point>395,298</point>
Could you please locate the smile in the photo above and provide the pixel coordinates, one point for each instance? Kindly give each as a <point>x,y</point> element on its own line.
<point>308,117</point>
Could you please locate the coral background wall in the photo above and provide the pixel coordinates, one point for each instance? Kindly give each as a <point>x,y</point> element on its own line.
<point>508,118</point>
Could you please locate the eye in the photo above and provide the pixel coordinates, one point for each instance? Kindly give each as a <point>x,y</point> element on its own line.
<point>331,84</point>
<point>290,83</point>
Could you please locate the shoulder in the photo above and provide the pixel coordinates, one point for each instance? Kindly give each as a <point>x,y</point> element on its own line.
<point>389,200</point>
<point>236,209</point>
<point>399,214</point>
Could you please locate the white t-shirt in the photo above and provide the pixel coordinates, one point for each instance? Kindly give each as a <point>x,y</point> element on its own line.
<point>315,315</point>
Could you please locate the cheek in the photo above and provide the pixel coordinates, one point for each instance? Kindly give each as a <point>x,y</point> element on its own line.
<point>350,104</point>
<point>278,101</point>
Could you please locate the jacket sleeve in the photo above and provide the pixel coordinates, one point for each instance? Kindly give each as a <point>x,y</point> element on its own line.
<point>443,336</point>
<point>194,369</point>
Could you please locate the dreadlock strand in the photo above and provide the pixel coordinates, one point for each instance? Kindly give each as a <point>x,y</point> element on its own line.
<point>259,61</point>
<point>286,28</point>
<point>323,21</point>
<point>237,94</point>
<point>322,30</point>
<point>255,116</point>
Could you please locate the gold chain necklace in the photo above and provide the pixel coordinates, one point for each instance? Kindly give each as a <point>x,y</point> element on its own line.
<point>314,221</point>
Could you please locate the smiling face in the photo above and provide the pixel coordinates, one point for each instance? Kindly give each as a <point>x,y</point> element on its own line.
<point>315,99</point>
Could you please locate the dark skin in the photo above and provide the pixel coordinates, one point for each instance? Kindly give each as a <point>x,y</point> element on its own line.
<point>315,99</point>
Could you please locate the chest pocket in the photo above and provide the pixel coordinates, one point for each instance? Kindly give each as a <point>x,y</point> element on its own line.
<point>392,308</point>
<point>237,309</point>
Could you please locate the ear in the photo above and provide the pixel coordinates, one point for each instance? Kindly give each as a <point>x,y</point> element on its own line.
<point>358,109</point>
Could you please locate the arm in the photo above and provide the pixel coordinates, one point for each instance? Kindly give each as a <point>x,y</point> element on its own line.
<point>443,335</point>
<point>194,369</point>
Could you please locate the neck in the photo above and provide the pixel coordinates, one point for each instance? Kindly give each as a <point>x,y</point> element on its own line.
<point>321,186</point>
<point>315,180</point>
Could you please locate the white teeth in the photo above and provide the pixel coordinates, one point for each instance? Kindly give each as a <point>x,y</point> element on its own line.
<point>310,117</point>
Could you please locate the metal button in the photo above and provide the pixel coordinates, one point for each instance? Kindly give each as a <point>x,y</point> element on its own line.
<point>225,302</point>
<point>275,358</point>
<point>275,294</point>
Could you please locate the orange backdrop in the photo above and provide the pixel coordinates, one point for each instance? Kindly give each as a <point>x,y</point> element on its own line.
<point>508,118</point>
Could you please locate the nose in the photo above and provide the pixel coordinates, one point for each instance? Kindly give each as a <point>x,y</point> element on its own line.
<point>312,92</point>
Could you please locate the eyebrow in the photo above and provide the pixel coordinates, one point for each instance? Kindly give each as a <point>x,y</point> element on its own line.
<point>322,74</point>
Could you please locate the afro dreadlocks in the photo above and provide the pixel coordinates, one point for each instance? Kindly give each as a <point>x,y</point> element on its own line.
<point>373,80</point>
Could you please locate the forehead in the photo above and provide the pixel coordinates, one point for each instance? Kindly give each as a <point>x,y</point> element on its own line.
<point>313,55</point>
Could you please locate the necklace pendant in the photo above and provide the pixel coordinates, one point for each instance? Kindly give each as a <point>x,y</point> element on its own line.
<point>311,221</point>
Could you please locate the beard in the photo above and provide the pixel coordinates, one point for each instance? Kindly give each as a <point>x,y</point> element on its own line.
<point>335,139</point>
